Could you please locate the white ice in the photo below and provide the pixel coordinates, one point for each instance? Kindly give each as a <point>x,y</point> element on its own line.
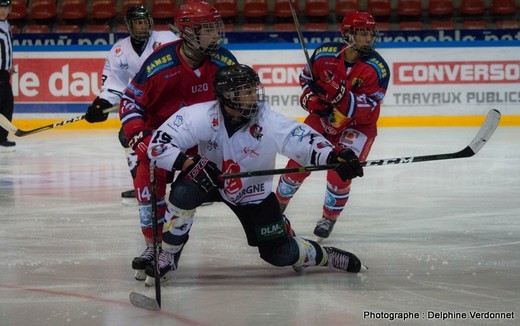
<point>438,237</point>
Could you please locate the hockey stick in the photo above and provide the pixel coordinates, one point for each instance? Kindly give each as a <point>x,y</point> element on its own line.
<point>300,37</point>
<point>9,126</point>
<point>486,130</point>
<point>138,299</point>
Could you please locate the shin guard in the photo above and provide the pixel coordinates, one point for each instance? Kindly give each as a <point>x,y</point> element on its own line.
<point>311,254</point>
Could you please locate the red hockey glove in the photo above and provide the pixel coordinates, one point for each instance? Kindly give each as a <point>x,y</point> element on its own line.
<point>204,174</point>
<point>349,166</point>
<point>329,87</point>
<point>139,143</point>
<point>314,105</point>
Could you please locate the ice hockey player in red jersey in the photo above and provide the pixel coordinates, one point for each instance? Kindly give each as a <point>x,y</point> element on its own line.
<point>175,75</point>
<point>342,90</point>
<point>239,132</point>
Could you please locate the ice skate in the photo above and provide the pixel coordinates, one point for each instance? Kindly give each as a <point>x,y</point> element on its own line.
<point>140,263</point>
<point>323,229</point>
<point>343,260</point>
<point>128,198</point>
<point>167,265</point>
<point>7,146</point>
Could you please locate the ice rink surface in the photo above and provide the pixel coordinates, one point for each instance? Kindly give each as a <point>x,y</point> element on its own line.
<point>441,240</point>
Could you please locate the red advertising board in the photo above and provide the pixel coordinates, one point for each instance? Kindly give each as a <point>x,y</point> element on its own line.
<point>54,80</point>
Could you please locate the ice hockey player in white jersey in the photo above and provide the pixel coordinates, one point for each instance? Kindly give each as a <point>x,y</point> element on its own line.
<point>121,64</point>
<point>239,132</point>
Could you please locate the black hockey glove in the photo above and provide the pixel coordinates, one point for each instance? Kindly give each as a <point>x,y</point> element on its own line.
<point>349,166</point>
<point>95,110</point>
<point>205,174</point>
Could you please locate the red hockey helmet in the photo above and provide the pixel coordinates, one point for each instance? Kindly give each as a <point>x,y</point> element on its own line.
<point>359,22</point>
<point>200,25</point>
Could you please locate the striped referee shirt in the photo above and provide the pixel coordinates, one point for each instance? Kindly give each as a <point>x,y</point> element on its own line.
<point>6,46</point>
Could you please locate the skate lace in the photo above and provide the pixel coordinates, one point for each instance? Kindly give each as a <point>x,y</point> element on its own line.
<point>147,254</point>
<point>337,259</point>
<point>324,224</point>
<point>165,259</point>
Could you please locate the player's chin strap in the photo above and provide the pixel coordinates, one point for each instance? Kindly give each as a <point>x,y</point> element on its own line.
<point>192,53</point>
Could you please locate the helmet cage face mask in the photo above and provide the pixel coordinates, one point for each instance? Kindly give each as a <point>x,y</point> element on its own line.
<point>201,27</point>
<point>135,18</point>
<point>206,37</point>
<point>238,87</point>
<point>248,99</point>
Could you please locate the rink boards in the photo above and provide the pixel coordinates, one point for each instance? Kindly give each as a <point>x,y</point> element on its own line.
<point>431,84</point>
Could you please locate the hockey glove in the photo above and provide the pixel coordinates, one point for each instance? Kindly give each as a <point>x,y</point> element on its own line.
<point>329,87</point>
<point>314,105</point>
<point>204,174</point>
<point>349,166</point>
<point>139,143</point>
<point>95,110</point>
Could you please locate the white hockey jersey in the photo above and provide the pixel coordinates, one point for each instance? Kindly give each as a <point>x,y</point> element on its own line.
<point>122,63</point>
<point>253,147</point>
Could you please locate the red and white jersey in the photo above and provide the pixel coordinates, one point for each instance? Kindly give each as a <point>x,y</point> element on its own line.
<point>165,84</point>
<point>122,63</point>
<point>253,147</point>
<point>366,81</point>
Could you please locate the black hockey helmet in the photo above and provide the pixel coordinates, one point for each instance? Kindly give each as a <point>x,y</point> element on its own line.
<point>139,22</point>
<point>239,87</point>
<point>5,3</point>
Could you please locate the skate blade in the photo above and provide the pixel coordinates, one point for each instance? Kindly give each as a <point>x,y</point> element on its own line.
<point>299,270</point>
<point>319,239</point>
<point>129,202</point>
<point>140,275</point>
<point>150,281</point>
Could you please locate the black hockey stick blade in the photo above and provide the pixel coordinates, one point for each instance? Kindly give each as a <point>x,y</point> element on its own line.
<point>142,301</point>
<point>9,126</point>
<point>484,134</point>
